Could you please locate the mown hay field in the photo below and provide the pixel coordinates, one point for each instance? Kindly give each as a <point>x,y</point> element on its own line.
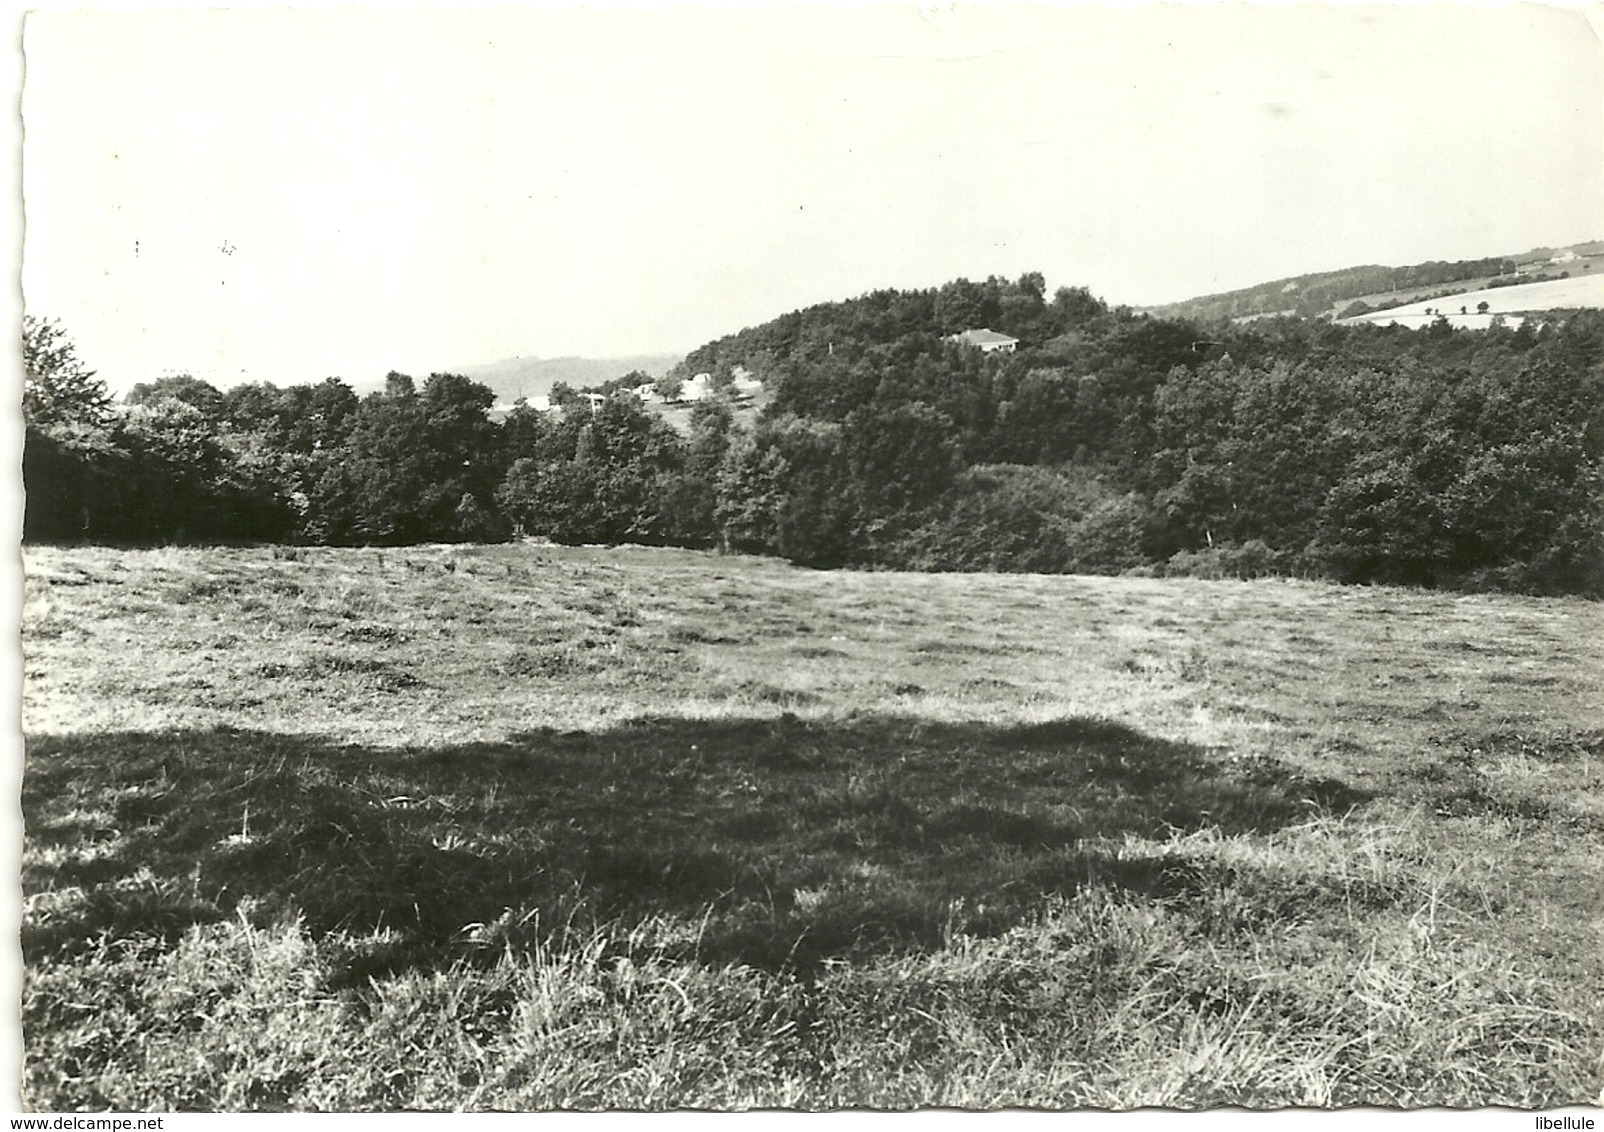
<point>1579,291</point>
<point>522,827</point>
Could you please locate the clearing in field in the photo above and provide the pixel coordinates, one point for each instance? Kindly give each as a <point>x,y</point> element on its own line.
<point>524,828</point>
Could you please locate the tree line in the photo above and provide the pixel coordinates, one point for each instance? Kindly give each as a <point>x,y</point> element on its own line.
<point>1107,441</point>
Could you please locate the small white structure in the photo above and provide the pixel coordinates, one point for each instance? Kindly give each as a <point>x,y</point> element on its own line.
<point>540,403</point>
<point>697,388</point>
<point>986,341</point>
<point>746,383</point>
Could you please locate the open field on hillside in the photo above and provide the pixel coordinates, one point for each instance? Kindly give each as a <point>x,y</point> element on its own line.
<point>1426,294</point>
<point>745,408</point>
<point>1580,291</point>
<point>1429,295</point>
<point>518,827</point>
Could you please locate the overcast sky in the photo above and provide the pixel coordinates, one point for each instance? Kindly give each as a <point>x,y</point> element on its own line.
<point>291,195</point>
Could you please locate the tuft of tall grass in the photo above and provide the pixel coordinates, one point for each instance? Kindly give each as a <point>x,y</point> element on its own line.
<point>1099,1001</point>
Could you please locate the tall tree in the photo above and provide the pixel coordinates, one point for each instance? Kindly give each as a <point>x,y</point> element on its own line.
<point>605,476</point>
<point>416,467</point>
<point>75,466</point>
<point>56,387</point>
<point>193,479</point>
<point>190,390</point>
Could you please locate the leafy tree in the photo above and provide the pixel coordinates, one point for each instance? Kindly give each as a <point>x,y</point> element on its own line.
<point>409,462</point>
<point>457,424</point>
<point>751,486</point>
<point>183,387</point>
<point>565,399</point>
<point>56,387</point>
<point>372,491</point>
<point>962,305</point>
<point>256,407</point>
<point>77,481</point>
<point>523,433</point>
<point>899,460</point>
<point>318,418</point>
<point>1381,523</point>
<point>1073,306</point>
<point>75,467</point>
<point>1021,518</point>
<point>1052,416</point>
<point>690,497</point>
<point>1247,453</point>
<point>780,492</point>
<point>712,429</point>
<point>603,476</point>
<point>189,480</point>
<point>557,499</point>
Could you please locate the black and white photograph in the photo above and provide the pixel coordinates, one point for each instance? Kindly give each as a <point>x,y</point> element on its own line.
<point>810,557</point>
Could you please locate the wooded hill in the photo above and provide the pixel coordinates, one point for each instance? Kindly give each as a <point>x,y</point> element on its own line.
<point>1106,441</point>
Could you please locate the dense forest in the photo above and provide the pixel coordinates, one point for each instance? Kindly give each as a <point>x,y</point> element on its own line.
<point>1106,442</point>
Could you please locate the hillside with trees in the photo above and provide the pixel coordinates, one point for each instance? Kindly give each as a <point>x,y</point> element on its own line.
<point>1310,296</point>
<point>1104,441</point>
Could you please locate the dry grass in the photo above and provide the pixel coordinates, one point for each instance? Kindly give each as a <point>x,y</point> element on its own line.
<point>519,827</point>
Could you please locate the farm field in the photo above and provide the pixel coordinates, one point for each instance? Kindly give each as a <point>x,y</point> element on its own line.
<point>1579,291</point>
<point>520,827</point>
<point>1429,295</point>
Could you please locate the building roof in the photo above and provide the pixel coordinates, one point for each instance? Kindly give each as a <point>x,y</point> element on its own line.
<point>983,338</point>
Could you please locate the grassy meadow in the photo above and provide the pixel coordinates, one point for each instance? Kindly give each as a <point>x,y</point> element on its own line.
<point>520,827</point>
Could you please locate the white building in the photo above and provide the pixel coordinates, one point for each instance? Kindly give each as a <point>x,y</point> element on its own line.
<point>986,341</point>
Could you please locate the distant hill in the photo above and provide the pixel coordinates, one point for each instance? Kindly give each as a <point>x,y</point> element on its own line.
<point>512,378</point>
<point>1327,292</point>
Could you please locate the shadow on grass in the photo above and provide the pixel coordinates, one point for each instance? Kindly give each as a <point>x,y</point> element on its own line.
<point>777,842</point>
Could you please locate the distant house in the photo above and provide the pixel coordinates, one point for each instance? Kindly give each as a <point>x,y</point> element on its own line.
<point>540,403</point>
<point>697,388</point>
<point>986,341</point>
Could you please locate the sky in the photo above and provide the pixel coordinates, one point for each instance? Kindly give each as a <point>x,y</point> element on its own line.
<point>288,195</point>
